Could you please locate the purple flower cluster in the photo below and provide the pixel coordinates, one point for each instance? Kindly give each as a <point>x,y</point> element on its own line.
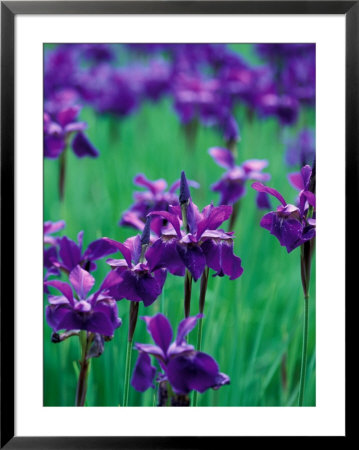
<point>61,124</point>
<point>96,313</point>
<point>231,186</point>
<point>200,246</point>
<point>181,365</point>
<point>153,199</point>
<point>205,81</point>
<point>291,225</point>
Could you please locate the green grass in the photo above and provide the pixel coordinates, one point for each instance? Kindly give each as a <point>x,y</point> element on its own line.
<point>252,326</point>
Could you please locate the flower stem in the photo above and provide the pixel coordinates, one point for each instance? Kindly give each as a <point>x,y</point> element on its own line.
<point>131,330</point>
<point>84,370</point>
<point>62,174</point>
<point>127,373</point>
<point>234,216</point>
<point>303,368</point>
<point>202,298</point>
<point>187,293</point>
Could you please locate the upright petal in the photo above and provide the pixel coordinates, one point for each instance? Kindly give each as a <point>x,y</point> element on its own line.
<point>154,186</point>
<point>222,157</point>
<point>261,188</point>
<point>172,219</point>
<point>82,281</point>
<point>216,216</point>
<point>70,253</point>
<point>160,329</point>
<point>185,327</point>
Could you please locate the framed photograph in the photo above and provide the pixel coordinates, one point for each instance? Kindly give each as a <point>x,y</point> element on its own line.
<point>161,166</point>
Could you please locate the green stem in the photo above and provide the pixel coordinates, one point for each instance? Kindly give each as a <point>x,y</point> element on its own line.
<point>187,293</point>
<point>131,331</point>
<point>84,370</point>
<point>199,342</point>
<point>303,369</point>
<point>62,174</point>
<point>127,373</point>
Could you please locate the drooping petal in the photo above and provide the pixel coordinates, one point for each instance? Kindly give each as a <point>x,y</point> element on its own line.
<point>296,180</point>
<point>222,157</point>
<point>50,255</point>
<point>261,188</point>
<point>230,190</point>
<point>53,146</point>
<point>219,257</point>
<point>262,201</point>
<point>163,254</point>
<point>193,258</point>
<point>83,147</point>
<point>160,329</point>
<point>108,307</point>
<point>151,349</point>
<point>55,315</point>
<point>143,374</point>
<point>82,281</point>
<point>154,186</point>
<point>197,371</point>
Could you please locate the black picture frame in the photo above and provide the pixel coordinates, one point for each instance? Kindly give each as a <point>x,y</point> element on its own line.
<point>9,9</point>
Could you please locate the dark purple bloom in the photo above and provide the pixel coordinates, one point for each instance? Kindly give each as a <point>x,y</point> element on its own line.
<point>137,282</point>
<point>301,149</point>
<point>50,252</point>
<point>231,186</point>
<point>96,313</point>
<point>290,224</point>
<point>155,198</point>
<point>71,254</point>
<point>184,367</point>
<point>203,245</point>
<point>58,129</point>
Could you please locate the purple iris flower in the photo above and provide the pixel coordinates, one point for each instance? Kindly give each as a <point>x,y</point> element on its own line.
<point>184,367</point>
<point>301,149</point>
<point>110,90</point>
<point>70,253</point>
<point>231,186</point>
<point>155,198</point>
<point>137,282</point>
<point>58,129</point>
<point>198,98</point>
<point>50,253</point>
<point>96,313</point>
<point>290,224</point>
<point>203,245</point>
